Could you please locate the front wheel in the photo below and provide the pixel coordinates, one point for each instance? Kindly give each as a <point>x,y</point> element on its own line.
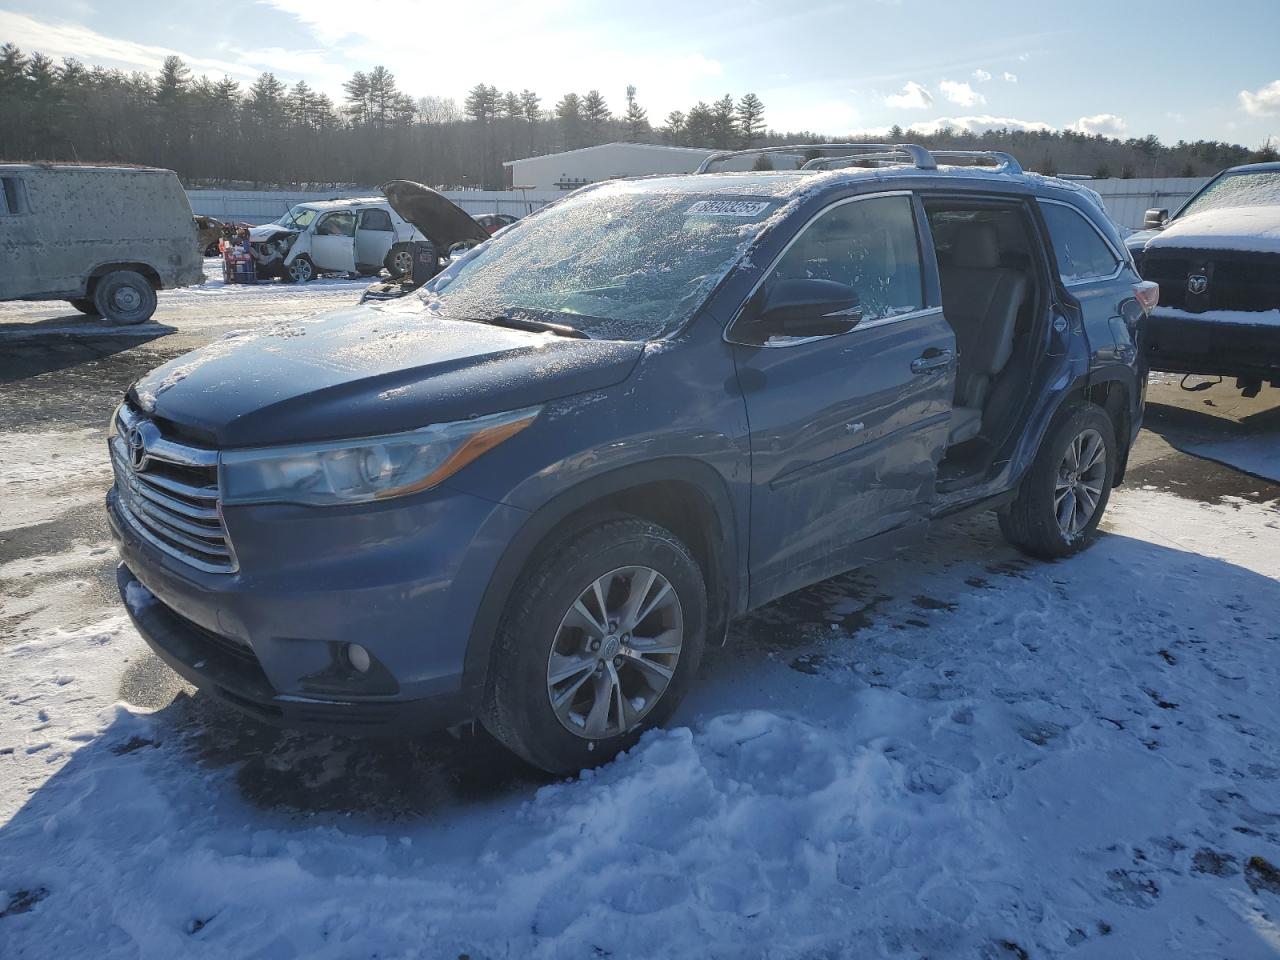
<point>600,641</point>
<point>301,269</point>
<point>1062,498</point>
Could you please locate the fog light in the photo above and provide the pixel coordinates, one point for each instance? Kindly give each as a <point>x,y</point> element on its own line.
<point>358,657</point>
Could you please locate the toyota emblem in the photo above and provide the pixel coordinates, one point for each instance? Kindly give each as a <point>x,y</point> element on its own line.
<point>1197,283</point>
<point>137,449</point>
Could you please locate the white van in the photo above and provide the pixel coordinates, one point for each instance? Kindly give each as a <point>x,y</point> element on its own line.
<point>104,238</point>
<point>335,236</point>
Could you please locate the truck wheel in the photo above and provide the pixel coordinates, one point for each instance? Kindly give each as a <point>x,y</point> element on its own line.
<point>1067,487</point>
<point>600,641</point>
<point>399,261</point>
<point>85,306</point>
<point>124,296</point>
<point>301,270</point>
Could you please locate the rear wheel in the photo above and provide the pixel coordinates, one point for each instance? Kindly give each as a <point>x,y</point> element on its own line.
<point>85,305</point>
<point>399,261</point>
<point>124,296</point>
<point>1061,501</point>
<point>601,639</point>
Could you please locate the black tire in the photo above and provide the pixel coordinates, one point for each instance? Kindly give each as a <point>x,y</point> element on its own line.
<point>301,270</point>
<point>124,296</point>
<point>1033,522</point>
<point>211,250</point>
<point>85,305</point>
<point>399,262</point>
<point>517,708</point>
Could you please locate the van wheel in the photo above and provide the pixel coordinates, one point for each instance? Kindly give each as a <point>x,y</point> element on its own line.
<point>399,261</point>
<point>1065,492</point>
<point>85,305</point>
<point>301,270</point>
<point>601,638</point>
<point>124,296</point>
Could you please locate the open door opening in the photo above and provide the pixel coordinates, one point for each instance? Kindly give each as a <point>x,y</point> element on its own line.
<point>995,297</point>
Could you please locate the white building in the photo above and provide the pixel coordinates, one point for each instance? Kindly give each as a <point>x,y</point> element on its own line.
<point>574,168</point>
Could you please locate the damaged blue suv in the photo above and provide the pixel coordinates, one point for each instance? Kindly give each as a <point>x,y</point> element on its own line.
<point>533,491</point>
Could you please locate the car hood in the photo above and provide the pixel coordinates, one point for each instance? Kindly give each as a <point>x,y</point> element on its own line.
<point>1253,229</point>
<point>269,231</point>
<point>437,217</point>
<point>366,371</point>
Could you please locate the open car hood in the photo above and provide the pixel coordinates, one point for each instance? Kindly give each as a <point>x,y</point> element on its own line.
<point>439,219</point>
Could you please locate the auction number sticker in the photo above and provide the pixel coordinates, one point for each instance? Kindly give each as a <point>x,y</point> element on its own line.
<point>729,208</point>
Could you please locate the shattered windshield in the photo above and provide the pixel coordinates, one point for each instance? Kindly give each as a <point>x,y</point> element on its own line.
<point>624,261</point>
<point>299,218</point>
<point>1237,190</point>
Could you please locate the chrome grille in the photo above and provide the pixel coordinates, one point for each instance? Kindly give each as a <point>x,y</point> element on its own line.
<point>168,492</point>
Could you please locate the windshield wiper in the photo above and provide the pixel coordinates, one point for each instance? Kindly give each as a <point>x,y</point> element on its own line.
<point>522,322</point>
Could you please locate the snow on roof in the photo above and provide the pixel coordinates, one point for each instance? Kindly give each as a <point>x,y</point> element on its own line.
<point>699,152</point>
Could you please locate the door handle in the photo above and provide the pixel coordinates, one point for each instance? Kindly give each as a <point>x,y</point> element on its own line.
<point>932,361</point>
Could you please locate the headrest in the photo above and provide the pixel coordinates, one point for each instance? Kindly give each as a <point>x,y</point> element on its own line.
<point>976,246</point>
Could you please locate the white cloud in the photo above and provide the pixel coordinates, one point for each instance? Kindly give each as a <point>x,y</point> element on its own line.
<point>981,75</point>
<point>979,123</point>
<point>1008,77</point>
<point>59,39</point>
<point>1263,102</point>
<point>914,96</point>
<point>1107,124</point>
<point>961,93</point>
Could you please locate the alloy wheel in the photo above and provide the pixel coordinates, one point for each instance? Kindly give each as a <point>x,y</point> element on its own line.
<point>615,652</point>
<point>402,261</point>
<point>1078,488</point>
<point>300,270</point>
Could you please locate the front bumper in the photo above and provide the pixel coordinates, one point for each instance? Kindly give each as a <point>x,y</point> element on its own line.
<point>1212,345</point>
<point>405,583</point>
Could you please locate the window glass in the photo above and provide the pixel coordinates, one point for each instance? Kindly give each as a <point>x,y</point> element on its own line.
<point>869,245</point>
<point>375,220</point>
<point>13,195</point>
<point>1237,190</point>
<point>337,225</point>
<point>299,217</point>
<point>1082,253</point>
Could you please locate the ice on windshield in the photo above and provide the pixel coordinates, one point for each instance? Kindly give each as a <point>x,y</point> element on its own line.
<point>1238,190</point>
<point>618,262</point>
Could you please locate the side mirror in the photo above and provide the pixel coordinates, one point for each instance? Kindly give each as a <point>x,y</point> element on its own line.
<point>809,308</point>
<point>1155,218</point>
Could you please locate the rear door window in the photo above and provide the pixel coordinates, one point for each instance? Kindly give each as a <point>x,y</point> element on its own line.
<point>1082,253</point>
<point>375,220</point>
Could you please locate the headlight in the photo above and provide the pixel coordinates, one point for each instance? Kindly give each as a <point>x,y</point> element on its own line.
<point>373,468</point>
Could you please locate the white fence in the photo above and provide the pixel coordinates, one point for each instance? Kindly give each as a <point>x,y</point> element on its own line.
<point>1128,200</point>
<point>263,206</point>
<point>1125,200</point>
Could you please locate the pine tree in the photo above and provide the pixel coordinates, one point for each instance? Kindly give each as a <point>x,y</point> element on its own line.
<point>700,126</point>
<point>674,130</point>
<point>723,129</point>
<point>596,113</point>
<point>569,116</point>
<point>636,118</point>
<point>750,116</point>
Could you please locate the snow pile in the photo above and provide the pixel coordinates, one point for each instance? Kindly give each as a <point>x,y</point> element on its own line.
<point>957,754</point>
<point>1253,229</point>
<point>1248,318</point>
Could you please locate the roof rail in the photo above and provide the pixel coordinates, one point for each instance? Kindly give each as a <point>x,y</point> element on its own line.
<point>872,153</point>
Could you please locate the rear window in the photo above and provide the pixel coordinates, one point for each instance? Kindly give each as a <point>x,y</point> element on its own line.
<point>1082,253</point>
<point>375,220</point>
<point>13,196</point>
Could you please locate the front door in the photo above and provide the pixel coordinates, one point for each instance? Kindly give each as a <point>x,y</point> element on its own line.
<point>847,430</point>
<point>333,246</point>
<point>374,237</point>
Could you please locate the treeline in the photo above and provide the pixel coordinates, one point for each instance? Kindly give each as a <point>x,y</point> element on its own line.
<point>214,131</point>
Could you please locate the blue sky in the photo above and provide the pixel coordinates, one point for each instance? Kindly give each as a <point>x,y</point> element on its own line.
<point>1175,68</point>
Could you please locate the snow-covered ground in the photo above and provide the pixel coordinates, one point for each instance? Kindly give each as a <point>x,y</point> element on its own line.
<point>215,303</point>
<point>955,754</point>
